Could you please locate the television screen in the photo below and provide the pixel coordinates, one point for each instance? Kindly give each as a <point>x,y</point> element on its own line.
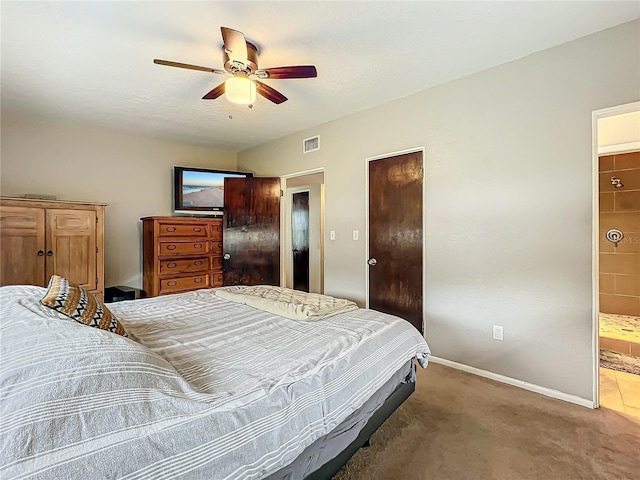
<point>200,190</point>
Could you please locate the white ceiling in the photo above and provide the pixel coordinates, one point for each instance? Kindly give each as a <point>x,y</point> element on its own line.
<point>92,61</point>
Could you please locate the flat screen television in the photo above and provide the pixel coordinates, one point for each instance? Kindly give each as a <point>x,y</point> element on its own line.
<point>200,191</point>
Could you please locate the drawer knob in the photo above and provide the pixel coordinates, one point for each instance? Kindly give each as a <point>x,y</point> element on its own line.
<point>197,280</point>
<point>198,263</point>
<point>197,245</point>
<point>197,229</point>
<point>171,229</point>
<point>171,247</point>
<point>172,283</point>
<point>171,265</point>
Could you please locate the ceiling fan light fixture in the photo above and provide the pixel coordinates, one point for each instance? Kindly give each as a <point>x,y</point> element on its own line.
<point>240,89</point>
<point>241,60</point>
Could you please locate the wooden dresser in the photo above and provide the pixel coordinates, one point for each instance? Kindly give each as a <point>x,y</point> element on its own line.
<point>181,254</point>
<point>40,238</point>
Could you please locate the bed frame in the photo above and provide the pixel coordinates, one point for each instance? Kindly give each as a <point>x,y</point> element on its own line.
<point>393,401</point>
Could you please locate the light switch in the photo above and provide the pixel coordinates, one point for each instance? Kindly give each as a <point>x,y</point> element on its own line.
<point>355,234</point>
<point>332,234</point>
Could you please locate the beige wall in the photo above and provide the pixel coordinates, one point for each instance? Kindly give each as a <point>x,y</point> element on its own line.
<point>133,174</point>
<point>504,243</point>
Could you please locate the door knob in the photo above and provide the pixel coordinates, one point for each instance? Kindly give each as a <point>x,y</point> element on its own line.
<point>40,253</point>
<point>49,253</point>
<point>226,256</point>
<point>372,261</point>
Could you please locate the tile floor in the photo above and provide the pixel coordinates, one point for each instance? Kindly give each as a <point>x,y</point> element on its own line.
<point>620,391</point>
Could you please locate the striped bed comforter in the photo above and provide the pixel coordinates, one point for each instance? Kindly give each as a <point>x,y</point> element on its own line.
<point>204,388</point>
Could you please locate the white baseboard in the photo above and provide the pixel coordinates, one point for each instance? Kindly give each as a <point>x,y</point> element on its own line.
<point>549,392</point>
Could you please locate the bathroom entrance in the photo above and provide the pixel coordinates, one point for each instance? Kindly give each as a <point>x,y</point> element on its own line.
<point>619,261</point>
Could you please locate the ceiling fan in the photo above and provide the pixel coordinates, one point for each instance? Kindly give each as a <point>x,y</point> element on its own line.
<point>241,60</point>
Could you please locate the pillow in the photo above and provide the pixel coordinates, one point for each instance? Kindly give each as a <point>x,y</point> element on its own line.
<point>76,303</point>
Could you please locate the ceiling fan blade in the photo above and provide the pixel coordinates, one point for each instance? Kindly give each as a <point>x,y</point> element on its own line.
<point>215,93</point>
<point>269,93</point>
<point>186,65</point>
<point>300,71</point>
<point>234,44</point>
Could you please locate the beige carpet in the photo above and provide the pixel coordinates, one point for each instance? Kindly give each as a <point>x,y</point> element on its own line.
<point>461,426</point>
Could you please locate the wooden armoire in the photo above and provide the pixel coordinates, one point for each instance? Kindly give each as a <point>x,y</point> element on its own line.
<point>40,238</point>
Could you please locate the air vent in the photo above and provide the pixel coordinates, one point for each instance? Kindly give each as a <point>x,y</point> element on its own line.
<point>311,144</point>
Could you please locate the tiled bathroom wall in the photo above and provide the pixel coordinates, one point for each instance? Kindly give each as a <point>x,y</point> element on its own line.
<point>620,209</point>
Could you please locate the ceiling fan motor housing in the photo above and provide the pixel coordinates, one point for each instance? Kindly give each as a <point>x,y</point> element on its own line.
<point>251,65</point>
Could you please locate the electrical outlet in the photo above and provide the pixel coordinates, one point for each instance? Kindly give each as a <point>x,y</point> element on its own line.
<point>498,332</point>
<point>332,234</point>
<point>355,234</point>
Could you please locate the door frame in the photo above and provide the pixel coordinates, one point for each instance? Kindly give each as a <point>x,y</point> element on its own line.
<point>286,266</point>
<point>595,245</point>
<point>424,225</point>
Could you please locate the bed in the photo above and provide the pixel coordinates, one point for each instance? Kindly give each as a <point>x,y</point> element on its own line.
<point>203,388</point>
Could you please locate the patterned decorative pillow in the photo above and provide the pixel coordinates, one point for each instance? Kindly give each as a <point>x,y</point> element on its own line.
<point>78,304</point>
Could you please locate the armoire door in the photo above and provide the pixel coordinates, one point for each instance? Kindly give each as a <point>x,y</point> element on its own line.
<point>22,246</point>
<point>71,246</point>
<point>251,231</point>
<point>395,237</point>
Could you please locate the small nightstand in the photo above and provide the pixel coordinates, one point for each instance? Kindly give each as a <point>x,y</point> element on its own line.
<point>120,293</point>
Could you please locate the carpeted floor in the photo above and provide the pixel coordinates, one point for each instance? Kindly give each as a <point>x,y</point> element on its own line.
<point>460,426</point>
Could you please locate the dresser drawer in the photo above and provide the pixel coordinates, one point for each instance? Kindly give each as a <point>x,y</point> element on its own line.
<point>216,247</point>
<point>217,279</point>
<point>183,266</point>
<point>216,231</point>
<point>178,284</point>
<point>216,263</point>
<point>184,248</point>
<point>179,230</point>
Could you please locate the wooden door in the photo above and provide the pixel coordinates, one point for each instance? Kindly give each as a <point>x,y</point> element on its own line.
<point>395,237</point>
<point>22,246</point>
<point>251,231</point>
<point>71,246</point>
<point>300,240</point>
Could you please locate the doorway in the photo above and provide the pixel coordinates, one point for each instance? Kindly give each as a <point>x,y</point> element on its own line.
<point>395,233</point>
<point>300,240</point>
<point>303,231</point>
<point>616,260</point>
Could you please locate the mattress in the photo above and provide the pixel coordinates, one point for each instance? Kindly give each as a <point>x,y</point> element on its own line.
<point>204,388</point>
